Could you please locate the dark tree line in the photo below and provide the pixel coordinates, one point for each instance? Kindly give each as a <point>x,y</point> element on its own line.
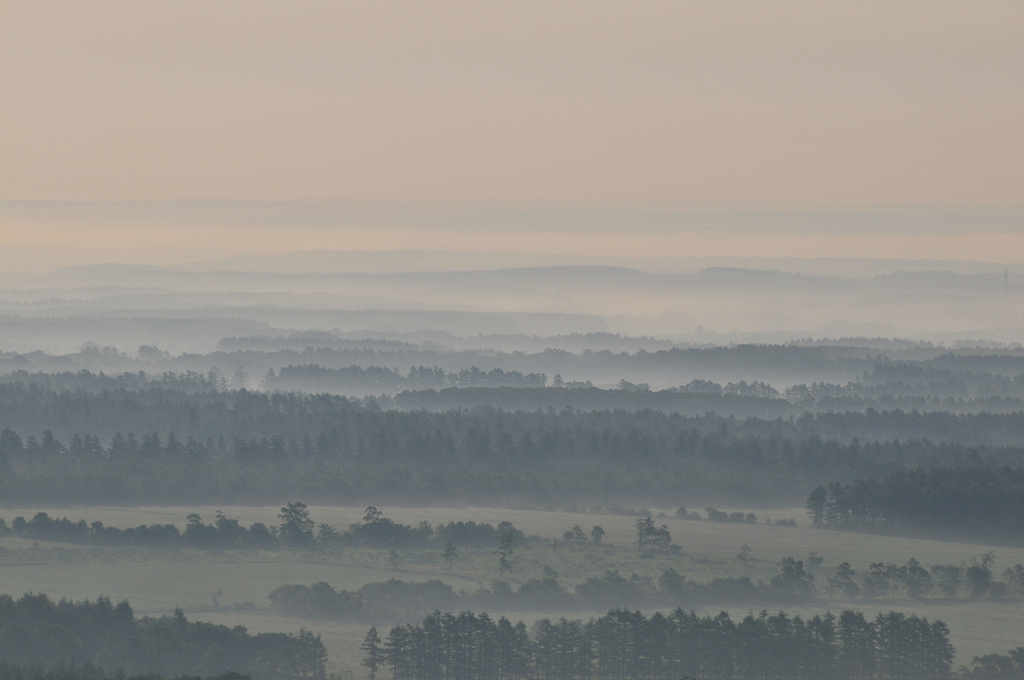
<point>164,406</point>
<point>375,365</point>
<point>224,533</point>
<point>974,578</point>
<point>249,447</point>
<point>297,529</point>
<point>471,533</point>
<point>803,363</point>
<point>394,598</point>
<point>904,377</point>
<point>37,631</point>
<point>628,645</point>
<point>977,502</point>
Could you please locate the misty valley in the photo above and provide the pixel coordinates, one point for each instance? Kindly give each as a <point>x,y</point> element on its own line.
<point>511,340</point>
<point>354,504</point>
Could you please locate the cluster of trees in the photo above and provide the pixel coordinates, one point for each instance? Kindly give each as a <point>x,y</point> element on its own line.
<point>379,601</point>
<point>629,645</point>
<point>974,578</point>
<point>358,380</point>
<point>37,631</point>
<point>976,501</point>
<point>1009,666</point>
<point>471,533</point>
<point>650,536</point>
<point>378,531</point>
<point>578,536</point>
<point>716,515</point>
<point>741,388</point>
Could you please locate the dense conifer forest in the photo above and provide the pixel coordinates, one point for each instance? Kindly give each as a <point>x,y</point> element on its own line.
<point>623,645</point>
<point>170,444</point>
<point>983,502</point>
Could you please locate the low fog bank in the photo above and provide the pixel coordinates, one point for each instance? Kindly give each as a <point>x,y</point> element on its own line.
<point>123,306</point>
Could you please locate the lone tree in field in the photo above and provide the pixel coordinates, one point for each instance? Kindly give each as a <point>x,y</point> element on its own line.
<point>597,535</point>
<point>506,548</point>
<point>449,554</point>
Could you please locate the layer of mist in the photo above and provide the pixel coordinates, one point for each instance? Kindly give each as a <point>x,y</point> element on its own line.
<point>885,397</point>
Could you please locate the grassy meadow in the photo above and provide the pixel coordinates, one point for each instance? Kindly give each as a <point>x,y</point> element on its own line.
<point>157,581</point>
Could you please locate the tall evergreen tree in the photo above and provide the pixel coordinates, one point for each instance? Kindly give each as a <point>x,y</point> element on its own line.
<point>373,652</point>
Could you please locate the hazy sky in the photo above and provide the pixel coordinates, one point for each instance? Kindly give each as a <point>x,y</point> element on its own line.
<point>595,105</point>
<point>578,102</point>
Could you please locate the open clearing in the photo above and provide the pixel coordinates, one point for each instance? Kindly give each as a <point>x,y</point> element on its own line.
<point>156,581</point>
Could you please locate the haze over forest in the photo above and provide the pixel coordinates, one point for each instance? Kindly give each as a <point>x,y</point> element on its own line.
<point>511,341</point>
